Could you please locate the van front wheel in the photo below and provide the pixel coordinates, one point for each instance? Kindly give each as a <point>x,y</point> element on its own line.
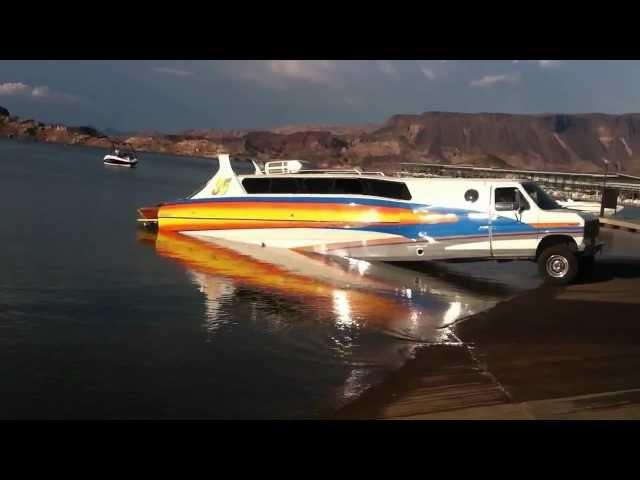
<point>558,265</point>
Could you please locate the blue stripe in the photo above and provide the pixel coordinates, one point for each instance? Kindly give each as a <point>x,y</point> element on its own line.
<point>465,227</point>
<point>301,199</point>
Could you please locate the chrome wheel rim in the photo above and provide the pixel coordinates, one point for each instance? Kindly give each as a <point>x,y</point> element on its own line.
<point>557,266</point>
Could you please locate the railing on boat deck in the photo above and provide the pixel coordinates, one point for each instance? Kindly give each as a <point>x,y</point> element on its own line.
<point>353,171</point>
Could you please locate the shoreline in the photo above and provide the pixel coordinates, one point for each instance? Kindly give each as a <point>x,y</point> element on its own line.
<point>103,149</point>
<point>550,352</point>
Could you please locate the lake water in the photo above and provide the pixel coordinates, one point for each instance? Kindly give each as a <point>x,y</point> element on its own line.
<point>629,213</point>
<point>99,319</point>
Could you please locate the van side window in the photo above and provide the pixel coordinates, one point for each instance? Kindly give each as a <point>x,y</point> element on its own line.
<point>505,199</point>
<point>508,199</point>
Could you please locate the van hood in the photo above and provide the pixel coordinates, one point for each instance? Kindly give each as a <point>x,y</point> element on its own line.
<point>586,216</point>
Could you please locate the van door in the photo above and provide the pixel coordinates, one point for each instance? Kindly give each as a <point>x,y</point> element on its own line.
<point>513,217</point>
<point>469,237</point>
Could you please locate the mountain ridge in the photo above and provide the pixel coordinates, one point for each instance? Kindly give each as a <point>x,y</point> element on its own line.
<point>577,142</point>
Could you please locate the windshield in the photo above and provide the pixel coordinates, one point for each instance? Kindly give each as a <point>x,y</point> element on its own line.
<point>542,198</point>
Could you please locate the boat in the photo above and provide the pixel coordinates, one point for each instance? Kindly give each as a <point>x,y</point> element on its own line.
<point>371,216</point>
<point>122,157</point>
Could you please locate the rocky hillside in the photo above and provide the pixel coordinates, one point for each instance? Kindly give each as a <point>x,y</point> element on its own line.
<point>14,127</point>
<point>564,142</point>
<point>555,141</point>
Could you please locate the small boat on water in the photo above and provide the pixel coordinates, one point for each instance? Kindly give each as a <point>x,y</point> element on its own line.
<point>122,157</point>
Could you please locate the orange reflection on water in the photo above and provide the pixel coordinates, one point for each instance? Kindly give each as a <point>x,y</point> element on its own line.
<point>279,272</point>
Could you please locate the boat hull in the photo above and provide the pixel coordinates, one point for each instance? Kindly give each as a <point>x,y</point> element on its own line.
<point>120,162</point>
<point>362,228</point>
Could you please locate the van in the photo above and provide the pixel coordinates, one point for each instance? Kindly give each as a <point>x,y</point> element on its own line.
<point>370,216</point>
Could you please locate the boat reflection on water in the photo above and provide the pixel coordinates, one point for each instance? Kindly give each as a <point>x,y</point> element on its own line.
<point>365,318</point>
<point>352,293</point>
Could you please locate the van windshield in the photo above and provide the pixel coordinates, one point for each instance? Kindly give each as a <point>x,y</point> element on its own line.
<point>542,198</point>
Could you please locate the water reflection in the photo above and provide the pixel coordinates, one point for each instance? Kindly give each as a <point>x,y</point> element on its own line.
<point>217,292</point>
<point>353,294</point>
<point>366,317</point>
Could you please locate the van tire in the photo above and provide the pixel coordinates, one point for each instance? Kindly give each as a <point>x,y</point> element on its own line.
<point>558,265</point>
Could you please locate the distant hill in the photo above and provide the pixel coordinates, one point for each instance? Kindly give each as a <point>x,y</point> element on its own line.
<point>564,142</point>
<point>215,133</point>
<point>333,129</point>
<point>569,142</point>
<point>112,132</point>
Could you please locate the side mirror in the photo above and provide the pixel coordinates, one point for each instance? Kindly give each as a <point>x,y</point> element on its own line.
<point>521,203</point>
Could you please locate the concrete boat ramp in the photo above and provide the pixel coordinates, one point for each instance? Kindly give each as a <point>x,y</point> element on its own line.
<point>551,353</point>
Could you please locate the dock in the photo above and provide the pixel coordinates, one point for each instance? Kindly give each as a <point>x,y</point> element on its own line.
<point>619,224</point>
<point>568,352</point>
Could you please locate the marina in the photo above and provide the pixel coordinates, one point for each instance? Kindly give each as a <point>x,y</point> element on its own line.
<point>185,302</point>
<point>568,185</point>
<point>198,242</point>
<point>112,323</point>
<point>569,356</point>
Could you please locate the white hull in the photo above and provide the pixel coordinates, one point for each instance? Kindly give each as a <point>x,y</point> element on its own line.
<point>310,238</point>
<point>120,161</point>
<point>126,165</point>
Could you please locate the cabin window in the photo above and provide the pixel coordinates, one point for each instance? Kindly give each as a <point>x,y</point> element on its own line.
<point>383,188</point>
<point>327,186</point>
<point>256,185</point>
<point>350,186</point>
<point>242,166</point>
<point>318,185</point>
<point>284,185</point>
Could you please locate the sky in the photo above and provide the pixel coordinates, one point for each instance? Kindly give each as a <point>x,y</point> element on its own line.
<point>171,96</point>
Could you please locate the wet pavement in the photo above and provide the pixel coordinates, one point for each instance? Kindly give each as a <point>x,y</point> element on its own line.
<point>552,352</point>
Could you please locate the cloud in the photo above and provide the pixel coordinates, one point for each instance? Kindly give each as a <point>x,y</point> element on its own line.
<point>542,63</point>
<point>45,92</point>
<point>549,63</point>
<point>173,71</point>
<point>386,67</point>
<point>491,80</point>
<point>279,74</point>
<point>11,88</point>
<point>428,73</point>
<point>40,92</point>
<point>314,71</point>
<point>353,101</point>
